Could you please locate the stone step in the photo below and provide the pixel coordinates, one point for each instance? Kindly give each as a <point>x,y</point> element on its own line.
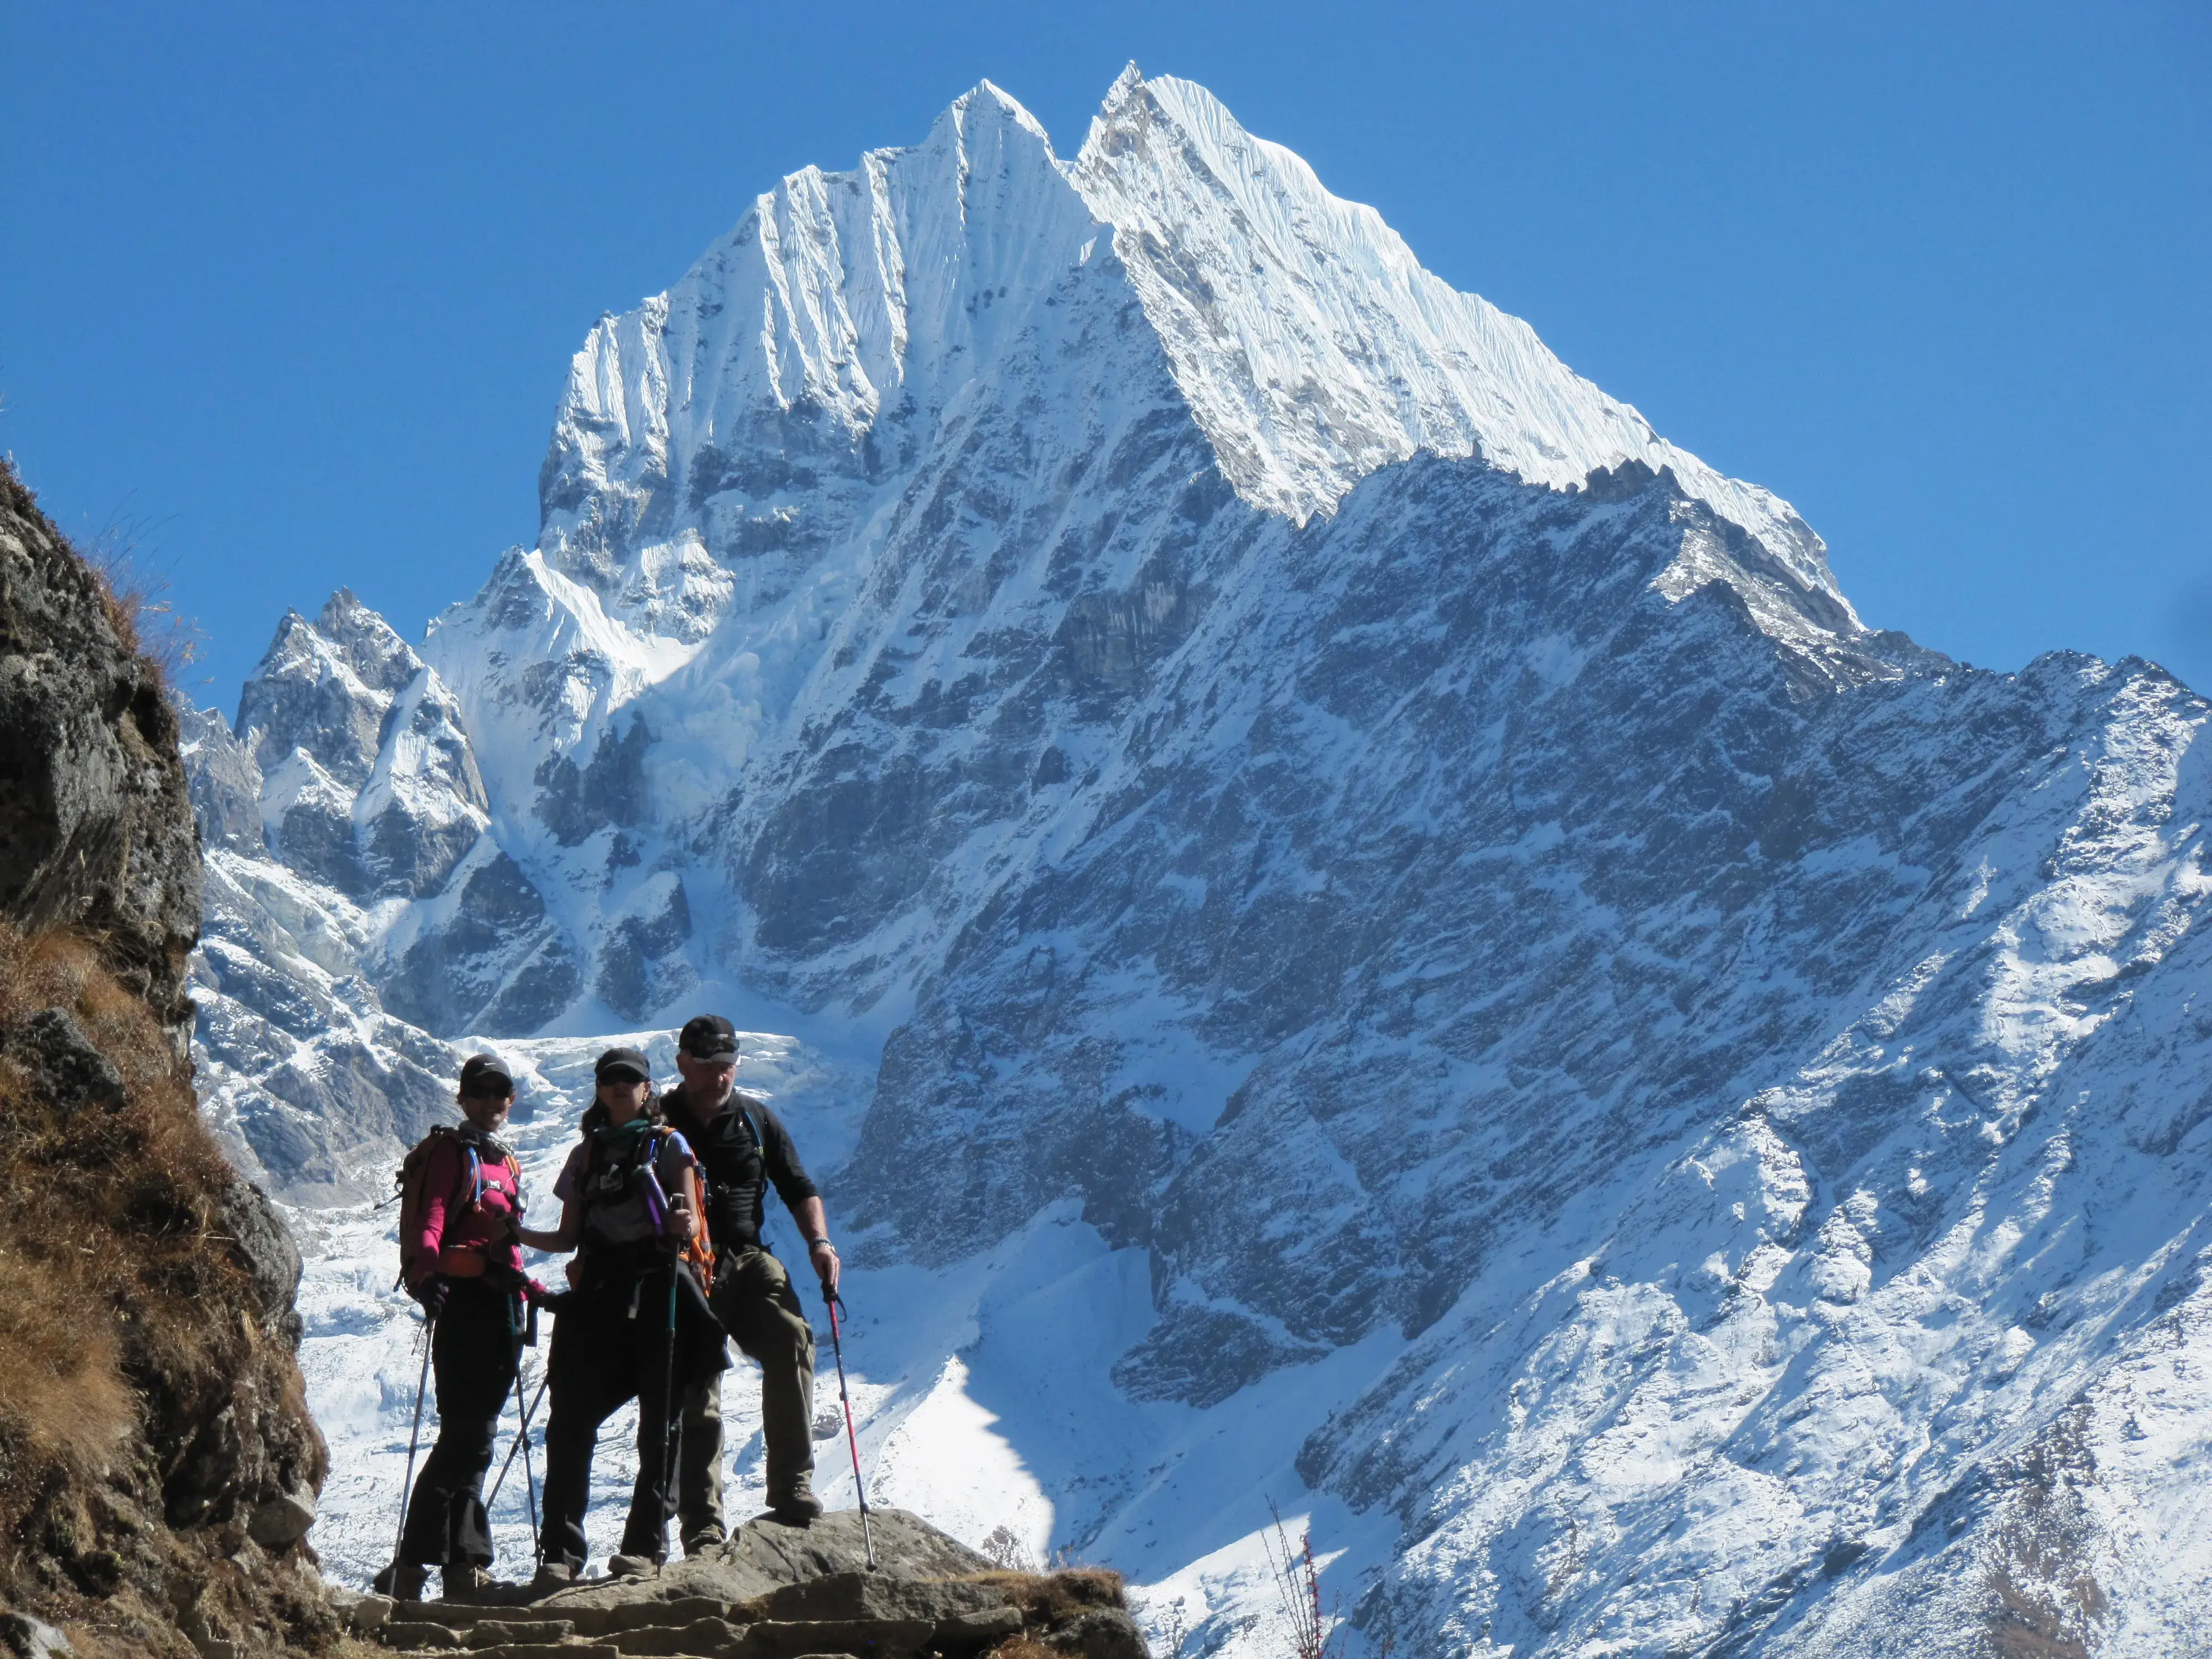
<point>418,1634</point>
<point>496,1632</point>
<point>701,1636</point>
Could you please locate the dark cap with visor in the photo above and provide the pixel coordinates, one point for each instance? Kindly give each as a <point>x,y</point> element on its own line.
<point>486,1073</point>
<point>710,1038</point>
<point>622,1066</point>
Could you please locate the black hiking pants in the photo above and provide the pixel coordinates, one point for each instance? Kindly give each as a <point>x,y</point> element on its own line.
<point>612,1344</point>
<point>473,1355</point>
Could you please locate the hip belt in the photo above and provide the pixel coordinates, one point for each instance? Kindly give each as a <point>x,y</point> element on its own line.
<point>464,1262</point>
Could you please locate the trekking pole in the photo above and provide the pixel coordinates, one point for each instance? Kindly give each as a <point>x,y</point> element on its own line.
<point>414,1439</point>
<point>833,1302</point>
<point>668,1407</point>
<point>529,1479</point>
<point>521,1439</point>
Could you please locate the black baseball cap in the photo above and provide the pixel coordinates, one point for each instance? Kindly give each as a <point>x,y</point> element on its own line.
<point>709,1037</point>
<point>622,1066</point>
<point>485,1068</point>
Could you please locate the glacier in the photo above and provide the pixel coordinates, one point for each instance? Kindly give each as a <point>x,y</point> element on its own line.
<point>1351,928</point>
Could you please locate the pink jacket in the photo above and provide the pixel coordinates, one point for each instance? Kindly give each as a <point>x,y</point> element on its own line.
<point>453,1237</point>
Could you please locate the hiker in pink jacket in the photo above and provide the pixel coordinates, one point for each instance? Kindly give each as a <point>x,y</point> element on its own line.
<point>460,1209</point>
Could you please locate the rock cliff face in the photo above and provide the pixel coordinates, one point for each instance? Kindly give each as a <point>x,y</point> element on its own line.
<point>95,834</point>
<point>158,1467</point>
<point>1415,955</point>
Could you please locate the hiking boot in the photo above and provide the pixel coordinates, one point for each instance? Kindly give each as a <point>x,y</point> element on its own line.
<point>705,1542</point>
<point>798,1506</point>
<point>632,1566</point>
<point>552,1576</point>
<point>462,1581</point>
<point>402,1581</point>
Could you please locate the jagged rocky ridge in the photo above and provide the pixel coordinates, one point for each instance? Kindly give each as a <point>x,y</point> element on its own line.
<point>1686,1111</point>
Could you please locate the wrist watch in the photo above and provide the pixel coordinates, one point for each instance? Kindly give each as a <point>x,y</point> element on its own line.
<point>817,1243</point>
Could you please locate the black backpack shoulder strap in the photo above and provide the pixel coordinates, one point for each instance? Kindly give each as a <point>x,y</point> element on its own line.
<point>747,1106</point>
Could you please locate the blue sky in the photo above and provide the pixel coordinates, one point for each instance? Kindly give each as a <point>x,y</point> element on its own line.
<point>287,293</point>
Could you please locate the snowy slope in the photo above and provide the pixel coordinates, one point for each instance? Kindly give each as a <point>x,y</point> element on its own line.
<point>1350,926</point>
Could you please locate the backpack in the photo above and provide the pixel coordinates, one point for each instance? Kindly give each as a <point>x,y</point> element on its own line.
<point>756,1161</point>
<point>615,1182</point>
<point>414,1171</point>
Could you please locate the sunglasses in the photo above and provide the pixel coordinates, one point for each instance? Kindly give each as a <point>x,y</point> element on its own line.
<point>490,1092</point>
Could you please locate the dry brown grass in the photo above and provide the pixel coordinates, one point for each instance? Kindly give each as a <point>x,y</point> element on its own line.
<point>136,597</point>
<point>133,590</point>
<point>111,1255</point>
<point>1047,1598</point>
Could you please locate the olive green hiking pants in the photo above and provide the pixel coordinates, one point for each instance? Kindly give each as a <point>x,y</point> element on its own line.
<point>758,1306</point>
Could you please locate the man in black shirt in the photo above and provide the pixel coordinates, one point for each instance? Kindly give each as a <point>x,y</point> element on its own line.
<point>741,1146</point>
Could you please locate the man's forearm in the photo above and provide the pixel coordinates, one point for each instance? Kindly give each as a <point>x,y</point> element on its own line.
<point>814,1228</point>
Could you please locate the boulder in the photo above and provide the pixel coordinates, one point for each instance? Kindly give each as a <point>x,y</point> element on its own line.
<point>282,1521</point>
<point>26,1638</point>
<point>62,1063</point>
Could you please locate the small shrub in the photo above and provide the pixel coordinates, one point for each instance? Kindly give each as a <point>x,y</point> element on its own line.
<point>1307,1633</point>
<point>136,596</point>
<point>1007,1553</point>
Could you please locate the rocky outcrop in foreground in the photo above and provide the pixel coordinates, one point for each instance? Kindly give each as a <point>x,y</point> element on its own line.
<point>777,1592</point>
<point>158,1467</point>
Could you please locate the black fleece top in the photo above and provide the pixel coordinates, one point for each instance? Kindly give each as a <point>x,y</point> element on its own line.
<point>738,1167</point>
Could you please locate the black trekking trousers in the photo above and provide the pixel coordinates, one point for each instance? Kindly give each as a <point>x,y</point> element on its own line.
<point>612,1344</point>
<point>473,1355</point>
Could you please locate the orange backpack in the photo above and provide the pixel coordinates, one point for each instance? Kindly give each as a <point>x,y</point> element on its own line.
<point>700,1252</point>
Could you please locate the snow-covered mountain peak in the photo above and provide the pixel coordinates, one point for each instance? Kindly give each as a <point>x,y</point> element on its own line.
<point>756,416</point>
<point>1314,347</point>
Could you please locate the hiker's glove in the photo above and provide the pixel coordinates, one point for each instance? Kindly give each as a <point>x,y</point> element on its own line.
<point>431,1293</point>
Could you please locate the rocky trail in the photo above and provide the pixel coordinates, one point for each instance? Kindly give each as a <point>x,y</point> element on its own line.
<point>777,1592</point>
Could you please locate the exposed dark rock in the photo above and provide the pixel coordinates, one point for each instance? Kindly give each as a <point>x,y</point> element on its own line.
<point>1099,1633</point>
<point>1203,1355</point>
<point>96,829</point>
<point>497,966</point>
<point>632,980</point>
<point>63,1066</point>
<point>262,1244</point>
<point>573,803</point>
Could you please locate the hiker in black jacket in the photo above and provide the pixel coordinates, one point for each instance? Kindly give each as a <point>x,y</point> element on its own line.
<point>637,1326</point>
<point>742,1147</point>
